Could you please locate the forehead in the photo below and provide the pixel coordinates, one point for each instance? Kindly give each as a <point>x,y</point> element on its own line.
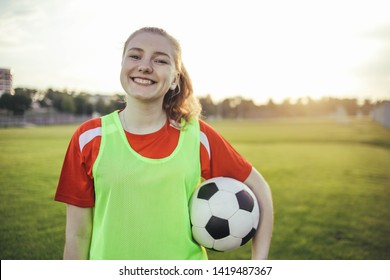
<point>151,42</point>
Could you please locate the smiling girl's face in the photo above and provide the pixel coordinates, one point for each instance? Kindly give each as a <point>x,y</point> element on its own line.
<point>148,67</point>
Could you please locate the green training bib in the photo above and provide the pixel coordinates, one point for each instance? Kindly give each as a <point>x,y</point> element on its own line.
<point>141,209</point>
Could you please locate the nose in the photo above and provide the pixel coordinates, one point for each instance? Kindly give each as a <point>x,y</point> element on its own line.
<point>145,67</point>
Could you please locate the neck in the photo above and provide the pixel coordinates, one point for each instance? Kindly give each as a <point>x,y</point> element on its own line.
<point>143,119</point>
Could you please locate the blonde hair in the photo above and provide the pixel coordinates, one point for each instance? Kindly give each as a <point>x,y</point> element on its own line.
<point>179,103</point>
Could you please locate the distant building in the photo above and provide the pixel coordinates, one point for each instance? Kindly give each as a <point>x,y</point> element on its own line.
<point>382,114</point>
<point>5,81</point>
<point>341,115</point>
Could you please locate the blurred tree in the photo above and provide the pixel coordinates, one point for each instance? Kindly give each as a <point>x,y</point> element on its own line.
<point>232,107</point>
<point>246,109</point>
<point>286,109</point>
<point>19,102</point>
<point>67,104</point>
<point>53,99</point>
<point>209,109</point>
<point>227,109</point>
<point>101,107</point>
<point>62,101</point>
<point>6,102</point>
<point>351,105</point>
<point>82,104</point>
<point>366,107</point>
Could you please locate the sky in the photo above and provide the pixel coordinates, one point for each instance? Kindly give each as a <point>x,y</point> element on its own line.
<point>256,49</point>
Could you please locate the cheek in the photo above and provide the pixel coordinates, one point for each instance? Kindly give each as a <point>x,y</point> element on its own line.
<point>125,68</point>
<point>123,77</point>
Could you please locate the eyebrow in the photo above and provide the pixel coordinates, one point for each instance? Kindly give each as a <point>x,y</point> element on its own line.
<point>156,53</point>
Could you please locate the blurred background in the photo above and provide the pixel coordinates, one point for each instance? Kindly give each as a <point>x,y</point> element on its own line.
<point>284,51</point>
<point>300,88</point>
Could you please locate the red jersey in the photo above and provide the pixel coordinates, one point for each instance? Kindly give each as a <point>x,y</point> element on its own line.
<point>76,184</point>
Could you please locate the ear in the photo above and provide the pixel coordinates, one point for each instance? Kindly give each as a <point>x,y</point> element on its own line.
<point>175,81</point>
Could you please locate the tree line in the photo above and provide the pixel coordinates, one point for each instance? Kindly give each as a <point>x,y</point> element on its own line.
<point>239,107</point>
<point>233,107</point>
<point>61,101</point>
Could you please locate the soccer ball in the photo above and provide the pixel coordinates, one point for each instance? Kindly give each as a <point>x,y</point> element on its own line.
<point>224,214</point>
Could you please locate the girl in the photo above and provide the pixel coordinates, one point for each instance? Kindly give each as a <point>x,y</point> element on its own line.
<point>127,177</point>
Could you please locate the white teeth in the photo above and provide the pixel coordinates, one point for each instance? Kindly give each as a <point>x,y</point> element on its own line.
<point>142,81</point>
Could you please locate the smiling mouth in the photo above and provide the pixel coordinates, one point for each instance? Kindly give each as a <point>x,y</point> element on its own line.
<point>142,81</point>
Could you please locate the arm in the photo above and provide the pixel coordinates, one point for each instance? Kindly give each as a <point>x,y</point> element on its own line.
<point>262,239</point>
<point>78,232</point>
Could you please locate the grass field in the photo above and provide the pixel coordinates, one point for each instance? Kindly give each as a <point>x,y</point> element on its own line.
<point>330,184</point>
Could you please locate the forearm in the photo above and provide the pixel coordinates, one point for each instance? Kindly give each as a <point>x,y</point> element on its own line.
<point>76,248</point>
<point>262,239</point>
<point>78,233</point>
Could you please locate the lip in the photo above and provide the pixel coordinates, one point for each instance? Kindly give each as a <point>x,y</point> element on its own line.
<point>143,81</point>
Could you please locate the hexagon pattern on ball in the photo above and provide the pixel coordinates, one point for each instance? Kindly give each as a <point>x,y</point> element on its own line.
<point>224,214</point>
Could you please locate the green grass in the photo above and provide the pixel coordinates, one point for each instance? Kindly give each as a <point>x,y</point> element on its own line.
<point>330,185</point>
<point>32,225</point>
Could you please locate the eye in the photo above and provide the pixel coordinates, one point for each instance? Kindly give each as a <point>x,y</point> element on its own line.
<point>134,56</point>
<point>161,61</point>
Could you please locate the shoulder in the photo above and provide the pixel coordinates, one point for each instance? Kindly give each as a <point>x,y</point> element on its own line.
<point>86,132</point>
<point>209,137</point>
<point>205,127</point>
<point>208,131</point>
<point>88,125</point>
